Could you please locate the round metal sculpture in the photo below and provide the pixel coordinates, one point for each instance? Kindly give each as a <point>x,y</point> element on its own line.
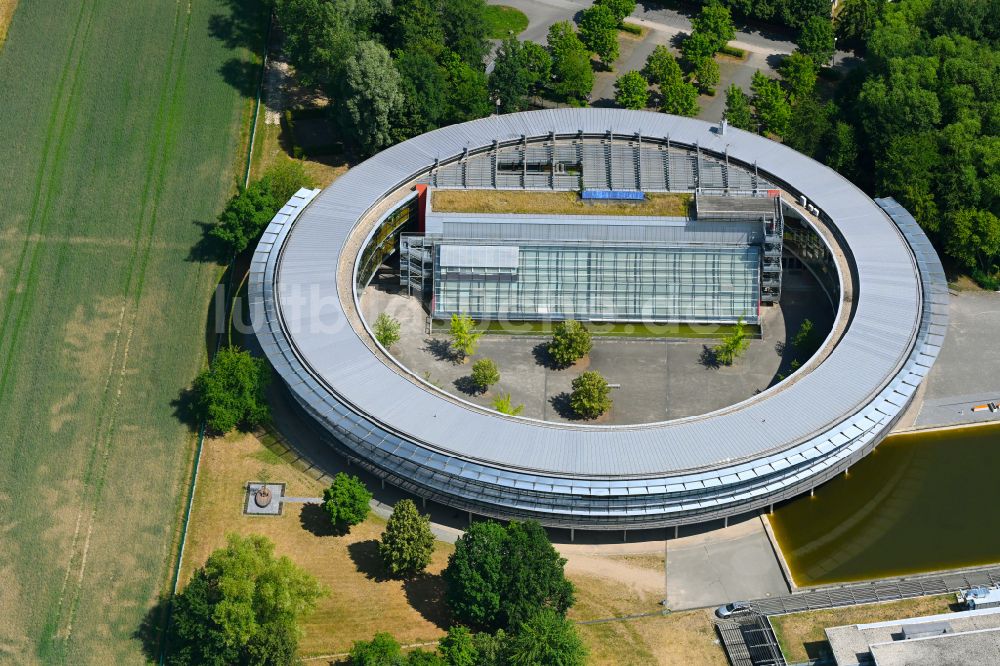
<point>262,497</point>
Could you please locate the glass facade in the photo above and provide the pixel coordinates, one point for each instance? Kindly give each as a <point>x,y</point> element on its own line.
<point>615,283</point>
<point>383,243</point>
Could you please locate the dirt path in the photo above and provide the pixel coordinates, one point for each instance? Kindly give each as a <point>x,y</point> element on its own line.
<point>641,579</point>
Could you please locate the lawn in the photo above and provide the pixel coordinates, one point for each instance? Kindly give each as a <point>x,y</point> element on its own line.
<point>556,203</point>
<point>501,21</point>
<point>801,635</point>
<point>121,135</point>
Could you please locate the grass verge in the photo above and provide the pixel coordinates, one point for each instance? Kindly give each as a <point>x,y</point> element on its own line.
<point>606,329</point>
<point>501,21</point>
<point>802,638</point>
<point>555,203</point>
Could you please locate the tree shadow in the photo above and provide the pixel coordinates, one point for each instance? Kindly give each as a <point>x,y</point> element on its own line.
<point>241,75</point>
<point>242,26</point>
<point>315,520</point>
<point>561,404</point>
<point>426,594</point>
<point>775,59</point>
<point>709,358</point>
<point>150,632</point>
<point>368,561</point>
<point>467,386</point>
<point>544,358</point>
<point>779,347</point>
<point>440,349</point>
<point>208,249</point>
<point>186,409</point>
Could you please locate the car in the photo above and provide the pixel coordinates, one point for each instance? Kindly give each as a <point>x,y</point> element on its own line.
<point>731,609</point>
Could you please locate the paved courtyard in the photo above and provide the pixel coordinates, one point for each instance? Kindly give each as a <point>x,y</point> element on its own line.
<point>659,379</point>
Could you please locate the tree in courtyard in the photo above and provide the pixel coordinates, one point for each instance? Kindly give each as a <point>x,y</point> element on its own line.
<point>591,395</point>
<point>573,76</point>
<point>733,345</point>
<point>499,576</point>
<point>806,340</point>
<point>346,501</point>
<point>546,638</point>
<point>502,404</point>
<point>245,217</point>
<point>619,8</point>
<point>230,393</point>
<point>372,97</point>
<point>716,23</point>
<point>773,110</point>
<point>632,91</point>
<point>678,96</point>
<point>816,40</point>
<point>706,73</point>
<point>485,373</point>
<point>386,329</point>
<point>599,33</point>
<point>697,47</point>
<point>464,337</point>
<point>570,341</point>
<point>407,542</point>
<point>738,111</point>
<point>242,607</point>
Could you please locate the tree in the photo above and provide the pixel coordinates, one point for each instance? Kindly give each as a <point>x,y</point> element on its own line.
<point>799,72</point>
<point>318,38</point>
<point>697,47</point>
<point>372,98</point>
<point>245,217</point>
<point>464,23</point>
<point>716,24</point>
<point>382,650</point>
<point>809,127</point>
<point>619,8</point>
<point>570,341</point>
<point>857,20</point>
<point>678,96</point>
<point>346,501</point>
<point>841,151</point>
<point>499,576</point>
<point>416,25</point>
<point>599,33</point>
<point>242,607</point>
<point>706,73</point>
<point>407,542</point>
<point>773,111</point>
<point>386,329</point>
<point>547,638</point>
<point>574,77</point>
<point>492,648</point>
<point>502,404</point>
<point>806,339</point>
<point>421,657</point>
<point>738,111</point>
<point>520,69</point>
<point>632,91</point>
<point>485,373</point>
<point>733,345</point>
<point>230,393</point>
<point>591,395</point>
<point>458,647</point>
<point>974,239</point>
<point>284,178</point>
<point>464,339</point>
<point>423,86</point>
<point>467,97</point>
<point>816,40</point>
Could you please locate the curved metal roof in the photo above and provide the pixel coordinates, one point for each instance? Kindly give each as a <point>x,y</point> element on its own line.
<point>834,403</point>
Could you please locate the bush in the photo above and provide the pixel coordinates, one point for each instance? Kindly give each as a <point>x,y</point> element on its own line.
<point>591,395</point>
<point>733,345</point>
<point>498,577</point>
<point>806,340</point>
<point>346,500</point>
<point>485,373</point>
<point>242,607</point>
<point>502,404</point>
<point>459,647</point>
<point>464,339</point>
<point>386,330</point>
<point>407,542</point>
<point>382,650</point>
<point>732,51</point>
<point>570,341</point>
<point>230,393</point>
<point>546,638</point>
<point>631,28</point>
<point>985,280</point>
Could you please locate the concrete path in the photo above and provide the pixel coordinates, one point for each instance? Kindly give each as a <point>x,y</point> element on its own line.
<point>731,564</point>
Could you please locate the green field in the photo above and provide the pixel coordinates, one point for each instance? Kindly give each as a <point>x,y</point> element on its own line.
<point>501,21</point>
<point>121,133</point>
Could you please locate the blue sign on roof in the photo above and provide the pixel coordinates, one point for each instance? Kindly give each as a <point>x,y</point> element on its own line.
<point>621,195</point>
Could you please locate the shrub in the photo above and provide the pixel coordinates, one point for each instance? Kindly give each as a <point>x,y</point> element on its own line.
<point>346,500</point>
<point>631,28</point>
<point>805,339</point>
<point>407,542</point>
<point>591,395</point>
<point>464,339</point>
<point>502,404</point>
<point>546,638</point>
<point>485,373</point>
<point>732,51</point>
<point>382,650</point>
<point>733,345</point>
<point>570,341</point>
<point>386,330</point>
<point>230,392</point>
